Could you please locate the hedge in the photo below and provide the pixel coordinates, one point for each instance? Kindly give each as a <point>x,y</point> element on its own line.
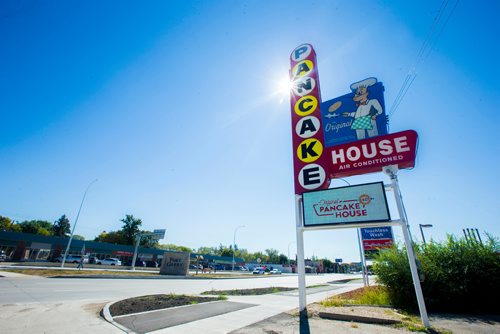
<point>460,275</point>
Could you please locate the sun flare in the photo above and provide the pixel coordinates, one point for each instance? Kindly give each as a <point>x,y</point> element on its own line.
<point>283,88</point>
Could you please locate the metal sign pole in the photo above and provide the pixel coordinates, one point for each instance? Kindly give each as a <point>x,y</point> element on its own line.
<point>362,259</point>
<point>137,242</point>
<point>391,171</point>
<point>301,270</point>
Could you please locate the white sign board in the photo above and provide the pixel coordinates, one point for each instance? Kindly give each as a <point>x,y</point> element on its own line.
<point>350,205</point>
<point>159,234</point>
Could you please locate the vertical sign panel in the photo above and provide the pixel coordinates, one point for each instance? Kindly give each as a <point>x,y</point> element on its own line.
<point>307,131</point>
<point>375,239</point>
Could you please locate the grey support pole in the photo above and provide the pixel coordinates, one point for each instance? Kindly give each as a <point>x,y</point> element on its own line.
<point>301,270</point>
<point>362,258</point>
<point>137,242</point>
<point>391,171</point>
<point>74,225</point>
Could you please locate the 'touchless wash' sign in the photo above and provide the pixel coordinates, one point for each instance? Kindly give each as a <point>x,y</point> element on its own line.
<point>346,205</point>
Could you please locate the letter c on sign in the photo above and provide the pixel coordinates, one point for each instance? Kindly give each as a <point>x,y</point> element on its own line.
<point>306,105</point>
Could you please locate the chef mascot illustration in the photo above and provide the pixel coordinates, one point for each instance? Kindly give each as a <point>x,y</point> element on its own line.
<point>367,110</point>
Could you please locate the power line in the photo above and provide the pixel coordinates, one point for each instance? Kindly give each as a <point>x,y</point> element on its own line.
<point>428,44</point>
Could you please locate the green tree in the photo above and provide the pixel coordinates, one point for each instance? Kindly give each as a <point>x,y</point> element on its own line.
<point>148,240</point>
<point>112,237</point>
<point>61,227</point>
<point>272,254</point>
<point>207,250</point>
<point>15,227</point>
<point>5,223</point>
<point>327,265</point>
<point>130,228</point>
<point>78,237</point>
<point>177,248</point>
<point>259,255</point>
<point>225,251</point>
<point>36,227</point>
<point>282,259</point>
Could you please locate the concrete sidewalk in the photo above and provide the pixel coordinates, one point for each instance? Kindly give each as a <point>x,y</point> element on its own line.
<point>247,311</point>
<point>83,316</point>
<point>241,315</point>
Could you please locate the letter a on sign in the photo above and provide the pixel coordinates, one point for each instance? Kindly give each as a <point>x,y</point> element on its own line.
<point>307,127</point>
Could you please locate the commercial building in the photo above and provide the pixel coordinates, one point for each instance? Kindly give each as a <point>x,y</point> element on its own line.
<point>35,247</point>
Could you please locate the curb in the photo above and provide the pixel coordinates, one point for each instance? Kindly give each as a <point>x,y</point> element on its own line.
<point>357,318</point>
<point>142,277</point>
<point>109,318</point>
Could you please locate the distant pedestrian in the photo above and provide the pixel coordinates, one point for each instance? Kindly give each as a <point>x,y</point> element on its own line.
<point>80,264</point>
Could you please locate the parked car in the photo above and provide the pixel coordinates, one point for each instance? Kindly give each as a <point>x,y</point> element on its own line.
<point>110,261</point>
<point>3,257</point>
<point>73,259</point>
<point>138,263</point>
<point>259,271</point>
<point>242,268</point>
<point>151,264</point>
<point>275,272</point>
<point>217,267</point>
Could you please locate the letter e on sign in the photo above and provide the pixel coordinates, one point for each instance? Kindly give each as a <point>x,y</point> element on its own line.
<point>311,176</point>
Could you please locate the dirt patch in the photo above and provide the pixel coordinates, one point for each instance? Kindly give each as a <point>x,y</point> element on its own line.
<point>155,302</point>
<point>94,308</point>
<point>363,311</point>
<point>247,292</point>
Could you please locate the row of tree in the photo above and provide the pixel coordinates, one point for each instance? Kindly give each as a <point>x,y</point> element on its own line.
<point>59,228</point>
<point>270,255</point>
<point>131,228</point>
<point>62,228</point>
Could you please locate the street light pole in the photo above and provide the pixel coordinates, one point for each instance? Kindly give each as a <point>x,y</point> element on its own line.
<point>234,241</point>
<point>74,225</point>
<point>422,231</point>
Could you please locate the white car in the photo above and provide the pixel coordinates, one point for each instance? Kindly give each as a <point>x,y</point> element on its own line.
<point>73,259</point>
<point>275,272</point>
<point>259,271</point>
<point>110,261</point>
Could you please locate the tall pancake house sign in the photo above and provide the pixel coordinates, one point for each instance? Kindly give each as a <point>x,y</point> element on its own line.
<point>355,141</point>
<point>345,136</point>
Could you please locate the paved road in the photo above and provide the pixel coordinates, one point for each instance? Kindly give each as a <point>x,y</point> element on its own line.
<point>40,290</point>
<point>46,305</point>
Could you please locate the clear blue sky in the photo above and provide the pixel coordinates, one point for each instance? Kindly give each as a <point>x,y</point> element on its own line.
<point>175,107</point>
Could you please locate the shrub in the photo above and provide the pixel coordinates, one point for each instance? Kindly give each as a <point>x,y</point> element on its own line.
<point>460,276</point>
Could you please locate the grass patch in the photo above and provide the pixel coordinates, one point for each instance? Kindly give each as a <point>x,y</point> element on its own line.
<point>370,295</point>
<point>156,302</point>
<point>247,292</point>
<point>256,291</point>
<point>317,286</point>
<point>413,323</point>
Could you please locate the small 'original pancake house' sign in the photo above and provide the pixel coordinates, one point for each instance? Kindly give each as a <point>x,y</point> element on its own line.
<point>346,205</point>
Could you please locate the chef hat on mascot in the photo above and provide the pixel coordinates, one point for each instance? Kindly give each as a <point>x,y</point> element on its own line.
<point>364,83</point>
